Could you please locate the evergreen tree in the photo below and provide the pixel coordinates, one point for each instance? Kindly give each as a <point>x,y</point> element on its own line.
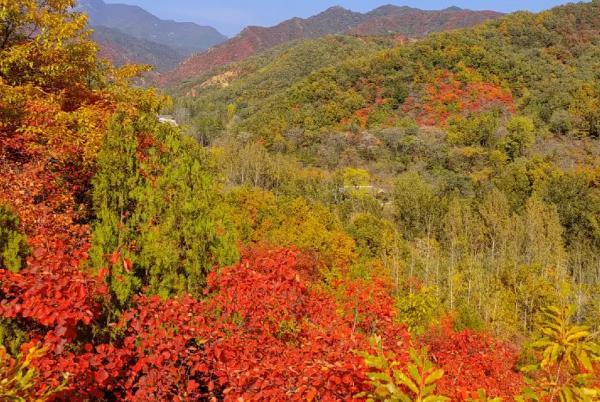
<point>159,222</point>
<point>12,243</point>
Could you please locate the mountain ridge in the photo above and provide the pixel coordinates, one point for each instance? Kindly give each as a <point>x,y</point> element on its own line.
<point>387,19</point>
<point>184,37</point>
<point>121,48</point>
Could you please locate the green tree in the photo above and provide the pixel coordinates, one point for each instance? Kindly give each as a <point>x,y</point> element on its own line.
<point>586,109</point>
<point>561,122</point>
<point>118,175</point>
<point>463,233</point>
<point>419,309</point>
<point>160,222</point>
<point>183,230</point>
<point>373,236</point>
<point>356,177</point>
<point>474,130</point>
<point>417,206</point>
<point>544,243</point>
<point>13,247</point>
<point>521,135</point>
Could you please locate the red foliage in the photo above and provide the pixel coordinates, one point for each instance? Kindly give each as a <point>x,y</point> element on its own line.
<point>261,334</point>
<point>362,115</point>
<point>473,361</point>
<point>264,331</point>
<point>43,177</point>
<point>275,338</point>
<point>448,96</point>
<point>53,293</point>
<point>166,344</point>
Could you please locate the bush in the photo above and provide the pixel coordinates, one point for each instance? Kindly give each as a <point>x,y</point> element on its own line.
<point>478,129</point>
<point>561,122</point>
<point>521,135</point>
<point>12,243</point>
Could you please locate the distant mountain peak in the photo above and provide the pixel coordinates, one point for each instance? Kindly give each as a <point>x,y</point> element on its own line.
<point>335,11</point>
<point>85,5</point>
<point>392,8</point>
<point>94,3</point>
<point>185,37</point>
<point>453,9</point>
<point>336,8</point>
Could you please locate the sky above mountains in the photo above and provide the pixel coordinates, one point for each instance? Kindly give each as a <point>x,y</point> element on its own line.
<point>230,16</point>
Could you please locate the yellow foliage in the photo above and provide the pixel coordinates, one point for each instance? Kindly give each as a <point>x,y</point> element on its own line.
<point>569,356</point>
<point>17,378</point>
<point>262,218</point>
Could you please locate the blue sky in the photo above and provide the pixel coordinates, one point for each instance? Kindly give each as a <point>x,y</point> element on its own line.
<point>230,16</point>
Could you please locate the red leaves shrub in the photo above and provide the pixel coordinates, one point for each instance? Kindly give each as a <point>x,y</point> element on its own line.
<point>449,96</point>
<point>368,306</point>
<point>275,338</point>
<point>52,292</point>
<point>473,361</point>
<point>165,341</point>
<point>262,333</point>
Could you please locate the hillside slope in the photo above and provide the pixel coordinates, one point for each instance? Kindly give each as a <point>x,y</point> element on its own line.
<point>539,64</point>
<point>121,49</point>
<point>335,20</point>
<point>246,84</point>
<point>416,23</point>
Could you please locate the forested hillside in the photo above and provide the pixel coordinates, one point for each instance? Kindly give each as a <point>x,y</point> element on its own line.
<point>122,49</point>
<point>386,20</point>
<point>130,34</point>
<point>368,218</point>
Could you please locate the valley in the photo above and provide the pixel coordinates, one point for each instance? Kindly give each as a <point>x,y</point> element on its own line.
<point>389,205</point>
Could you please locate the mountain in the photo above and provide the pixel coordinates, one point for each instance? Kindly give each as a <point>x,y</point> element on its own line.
<point>538,64</point>
<point>249,83</point>
<point>335,20</point>
<point>437,199</point>
<point>416,23</point>
<point>184,37</point>
<point>121,49</point>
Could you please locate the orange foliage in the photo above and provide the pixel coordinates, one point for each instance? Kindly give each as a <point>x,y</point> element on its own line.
<point>264,331</point>
<point>448,96</point>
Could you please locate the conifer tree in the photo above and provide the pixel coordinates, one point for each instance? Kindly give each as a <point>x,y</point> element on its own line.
<point>159,223</point>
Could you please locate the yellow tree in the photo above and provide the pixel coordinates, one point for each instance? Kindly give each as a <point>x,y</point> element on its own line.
<point>586,109</point>
<point>53,87</point>
<point>44,43</point>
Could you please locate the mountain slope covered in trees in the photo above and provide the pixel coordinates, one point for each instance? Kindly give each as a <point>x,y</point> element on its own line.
<point>416,221</point>
<point>464,142</point>
<point>123,49</point>
<point>537,58</point>
<point>336,20</point>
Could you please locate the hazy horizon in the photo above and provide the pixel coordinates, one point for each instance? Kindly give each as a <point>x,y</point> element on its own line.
<point>231,16</point>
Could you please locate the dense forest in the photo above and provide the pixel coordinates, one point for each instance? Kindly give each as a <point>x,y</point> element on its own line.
<point>375,218</point>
